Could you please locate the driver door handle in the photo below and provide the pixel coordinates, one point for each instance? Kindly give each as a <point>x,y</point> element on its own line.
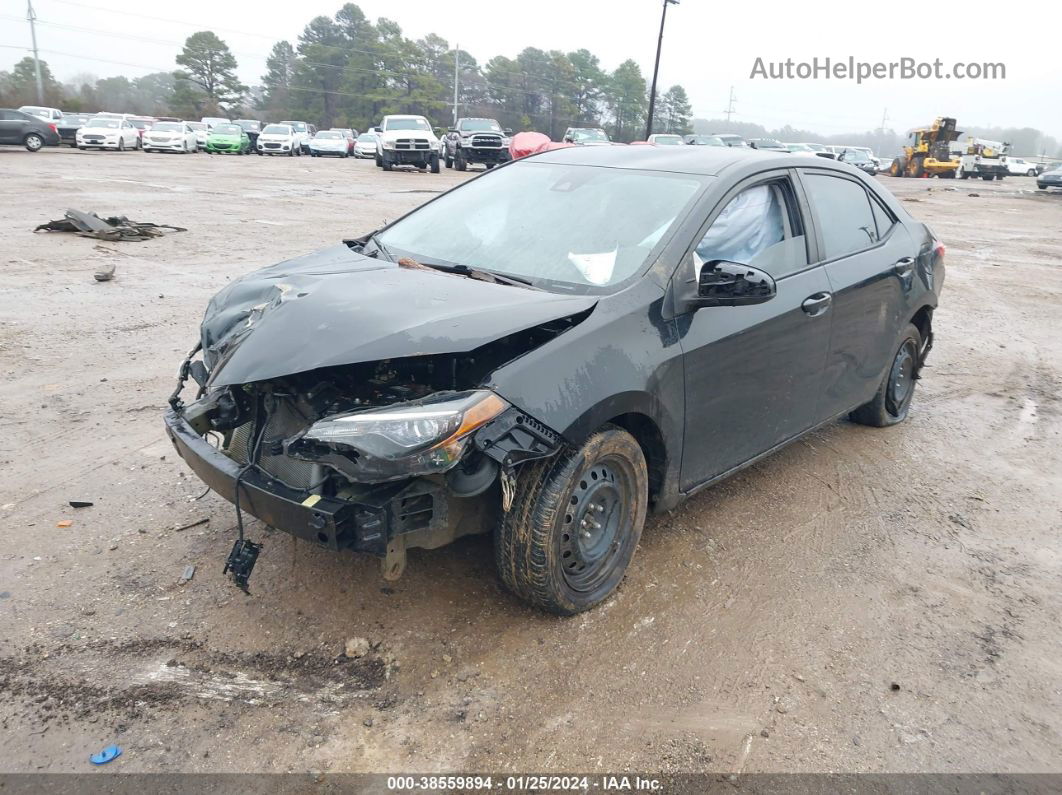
<point>817,304</point>
<point>903,266</point>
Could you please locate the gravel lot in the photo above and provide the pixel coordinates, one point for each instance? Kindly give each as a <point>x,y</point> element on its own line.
<point>865,600</point>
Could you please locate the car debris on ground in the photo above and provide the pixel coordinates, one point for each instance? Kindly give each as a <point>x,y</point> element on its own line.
<point>115,227</point>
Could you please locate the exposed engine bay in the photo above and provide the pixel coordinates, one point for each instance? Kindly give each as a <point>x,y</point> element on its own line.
<point>437,464</point>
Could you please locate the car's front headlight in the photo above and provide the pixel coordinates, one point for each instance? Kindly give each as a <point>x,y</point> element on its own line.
<point>434,145</point>
<point>406,439</point>
<point>388,144</point>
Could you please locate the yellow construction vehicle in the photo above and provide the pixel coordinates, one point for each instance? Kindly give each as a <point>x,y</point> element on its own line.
<point>927,152</point>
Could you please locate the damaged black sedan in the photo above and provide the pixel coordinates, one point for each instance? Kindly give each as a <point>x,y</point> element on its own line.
<point>551,350</point>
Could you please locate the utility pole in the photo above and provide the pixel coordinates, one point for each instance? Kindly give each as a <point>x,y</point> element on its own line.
<point>656,69</point>
<point>31,17</point>
<point>730,106</point>
<point>457,73</point>
<point>881,130</point>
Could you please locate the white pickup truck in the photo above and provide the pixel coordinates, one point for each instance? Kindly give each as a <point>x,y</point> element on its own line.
<point>406,141</point>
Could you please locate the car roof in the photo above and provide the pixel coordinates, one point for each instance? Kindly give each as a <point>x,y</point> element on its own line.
<point>702,160</point>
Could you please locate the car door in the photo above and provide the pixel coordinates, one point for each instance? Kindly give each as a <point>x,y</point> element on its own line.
<point>869,260</point>
<point>11,123</point>
<point>754,373</point>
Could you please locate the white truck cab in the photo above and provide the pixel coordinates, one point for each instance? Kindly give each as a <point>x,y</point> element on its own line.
<point>406,141</point>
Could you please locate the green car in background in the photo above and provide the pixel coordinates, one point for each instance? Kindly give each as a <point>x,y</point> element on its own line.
<point>228,138</point>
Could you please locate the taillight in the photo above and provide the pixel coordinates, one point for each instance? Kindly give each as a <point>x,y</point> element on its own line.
<point>938,252</point>
<point>54,129</point>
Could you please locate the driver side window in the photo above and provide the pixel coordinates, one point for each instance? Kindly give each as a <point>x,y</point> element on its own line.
<point>759,227</point>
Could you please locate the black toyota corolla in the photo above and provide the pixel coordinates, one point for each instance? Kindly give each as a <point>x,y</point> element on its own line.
<point>552,349</point>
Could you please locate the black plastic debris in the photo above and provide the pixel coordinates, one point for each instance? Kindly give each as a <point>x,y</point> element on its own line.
<point>113,228</point>
<point>80,504</point>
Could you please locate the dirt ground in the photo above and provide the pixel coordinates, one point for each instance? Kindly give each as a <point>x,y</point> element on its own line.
<point>865,600</point>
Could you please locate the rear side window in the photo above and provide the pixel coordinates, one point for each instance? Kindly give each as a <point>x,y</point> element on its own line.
<point>759,227</point>
<point>844,212</point>
<point>882,218</point>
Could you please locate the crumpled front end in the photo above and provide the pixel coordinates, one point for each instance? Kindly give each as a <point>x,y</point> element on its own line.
<point>301,423</point>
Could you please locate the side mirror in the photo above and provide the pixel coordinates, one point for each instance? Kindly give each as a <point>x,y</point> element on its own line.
<point>451,129</point>
<point>508,131</point>
<point>377,129</point>
<point>725,283</point>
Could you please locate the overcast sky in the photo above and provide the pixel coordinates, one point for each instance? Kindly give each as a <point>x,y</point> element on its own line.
<point>708,47</point>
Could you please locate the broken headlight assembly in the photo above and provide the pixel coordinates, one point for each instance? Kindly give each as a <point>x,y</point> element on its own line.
<point>402,440</point>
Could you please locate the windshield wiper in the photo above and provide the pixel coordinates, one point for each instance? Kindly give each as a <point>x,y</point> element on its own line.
<point>482,275</point>
<point>374,238</point>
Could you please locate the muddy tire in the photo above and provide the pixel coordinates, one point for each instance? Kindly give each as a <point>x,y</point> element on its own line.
<point>574,524</point>
<point>893,399</point>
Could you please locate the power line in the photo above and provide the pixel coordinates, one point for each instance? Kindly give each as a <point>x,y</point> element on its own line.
<point>730,106</point>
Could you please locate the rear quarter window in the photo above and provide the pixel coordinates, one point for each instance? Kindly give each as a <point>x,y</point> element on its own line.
<point>843,209</point>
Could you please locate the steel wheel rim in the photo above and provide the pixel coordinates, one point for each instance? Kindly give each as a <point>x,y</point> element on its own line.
<point>593,525</point>
<point>901,377</point>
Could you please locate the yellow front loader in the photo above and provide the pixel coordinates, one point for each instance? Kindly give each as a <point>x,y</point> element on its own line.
<point>927,152</point>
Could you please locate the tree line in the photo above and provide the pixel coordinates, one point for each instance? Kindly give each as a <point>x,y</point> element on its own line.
<point>347,71</point>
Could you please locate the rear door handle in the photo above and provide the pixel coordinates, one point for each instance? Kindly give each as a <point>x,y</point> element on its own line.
<point>903,266</point>
<point>817,304</point>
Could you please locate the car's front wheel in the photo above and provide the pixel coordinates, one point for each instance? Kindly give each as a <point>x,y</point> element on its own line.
<point>893,399</point>
<point>574,523</point>
<point>1031,172</point>
<point>33,142</point>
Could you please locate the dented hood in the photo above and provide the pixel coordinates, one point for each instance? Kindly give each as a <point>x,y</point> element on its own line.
<point>337,307</point>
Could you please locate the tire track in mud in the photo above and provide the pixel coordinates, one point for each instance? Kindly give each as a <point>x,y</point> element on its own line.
<point>136,679</point>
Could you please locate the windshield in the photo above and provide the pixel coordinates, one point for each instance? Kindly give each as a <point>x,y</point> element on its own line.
<point>299,126</point>
<point>767,143</point>
<point>228,129</point>
<point>276,129</point>
<point>106,124</point>
<point>798,147</point>
<point>166,126</point>
<point>407,124</point>
<point>667,140</point>
<point>328,135</point>
<point>140,124</point>
<point>589,135</point>
<point>602,223</point>
<point>366,138</point>
<point>733,140</point>
<point>479,125</point>
<point>73,118</point>
<point>249,125</point>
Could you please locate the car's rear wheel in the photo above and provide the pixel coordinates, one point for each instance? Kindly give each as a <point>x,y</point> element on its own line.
<point>33,142</point>
<point>1031,172</point>
<point>121,144</point>
<point>448,160</point>
<point>574,523</point>
<point>893,399</point>
<point>433,164</point>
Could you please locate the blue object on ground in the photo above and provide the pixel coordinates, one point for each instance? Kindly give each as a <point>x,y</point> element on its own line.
<point>106,755</point>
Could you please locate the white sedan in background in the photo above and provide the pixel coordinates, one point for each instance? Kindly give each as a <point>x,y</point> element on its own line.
<point>202,132</point>
<point>105,132</point>
<point>329,142</point>
<point>170,136</point>
<point>365,146</point>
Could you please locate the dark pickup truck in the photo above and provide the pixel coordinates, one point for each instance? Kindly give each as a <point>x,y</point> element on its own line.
<point>476,141</point>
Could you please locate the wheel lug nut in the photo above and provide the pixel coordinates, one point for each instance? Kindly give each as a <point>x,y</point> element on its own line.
<point>599,508</point>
